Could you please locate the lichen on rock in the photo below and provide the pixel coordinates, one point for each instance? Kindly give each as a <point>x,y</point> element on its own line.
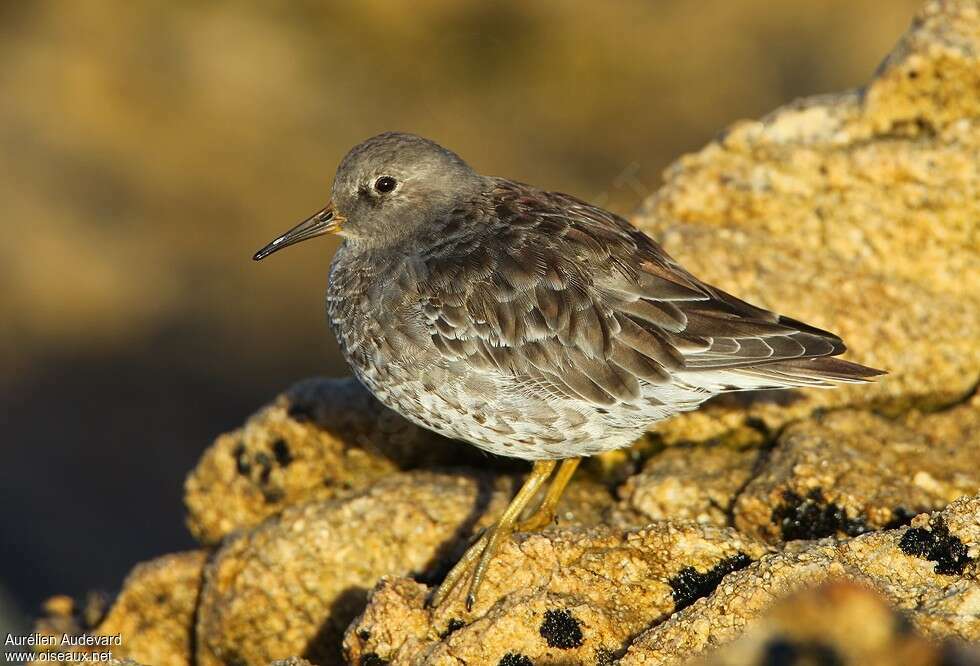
<point>940,605</point>
<point>559,595</point>
<point>321,439</point>
<point>820,626</point>
<point>852,471</point>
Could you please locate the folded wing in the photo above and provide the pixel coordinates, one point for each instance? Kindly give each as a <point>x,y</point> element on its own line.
<point>574,302</point>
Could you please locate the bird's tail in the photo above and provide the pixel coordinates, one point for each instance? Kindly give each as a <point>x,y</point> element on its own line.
<point>819,371</point>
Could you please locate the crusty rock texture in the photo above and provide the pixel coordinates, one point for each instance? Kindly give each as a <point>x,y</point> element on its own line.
<point>321,439</point>
<point>330,518</point>
<point>573,596</point>
<point>856,212</point>
<point>694,482</point>
<point>291,586</point>
<point>820,626</point>
<point>154,613</point>
<point>851,471</point>
<point>582,596</point>
<point>928,570</point>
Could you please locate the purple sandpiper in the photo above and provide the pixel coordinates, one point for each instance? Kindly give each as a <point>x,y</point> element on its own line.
<point>530,323</point>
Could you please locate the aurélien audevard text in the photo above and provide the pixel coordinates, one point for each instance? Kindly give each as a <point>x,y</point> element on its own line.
<point>65,640</point>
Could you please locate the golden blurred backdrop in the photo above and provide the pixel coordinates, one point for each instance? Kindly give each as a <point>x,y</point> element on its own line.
<point>149,147</point>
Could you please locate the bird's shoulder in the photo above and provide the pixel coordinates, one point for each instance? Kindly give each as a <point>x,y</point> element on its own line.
<point>519,236</point>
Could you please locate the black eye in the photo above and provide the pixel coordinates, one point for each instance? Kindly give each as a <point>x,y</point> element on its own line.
<point>385,184</point>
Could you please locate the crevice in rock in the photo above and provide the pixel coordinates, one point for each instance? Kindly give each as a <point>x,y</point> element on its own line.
<point>193,640</point>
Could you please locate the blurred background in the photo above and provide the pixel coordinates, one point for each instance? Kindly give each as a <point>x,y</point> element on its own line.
<point>148,148</point>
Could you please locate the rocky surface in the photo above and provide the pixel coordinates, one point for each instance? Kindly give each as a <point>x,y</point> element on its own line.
<point>692,482</point>
<point>583,596</point>
<point>321,439</point>
<point>153,615</point>
<point>817,626</point>
<point>929,571</point>
<point>850,471</point>
<point>856,212</point>
<point>330,518</point>
<point>576,596</point>
<point>291,586</point>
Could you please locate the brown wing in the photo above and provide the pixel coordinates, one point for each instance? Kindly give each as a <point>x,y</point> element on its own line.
<point>573,300</point>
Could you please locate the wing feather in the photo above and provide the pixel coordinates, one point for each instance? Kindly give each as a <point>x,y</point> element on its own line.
<point>569,299</point>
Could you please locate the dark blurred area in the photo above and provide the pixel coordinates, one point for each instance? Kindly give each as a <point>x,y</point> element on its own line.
<point>148,148</point>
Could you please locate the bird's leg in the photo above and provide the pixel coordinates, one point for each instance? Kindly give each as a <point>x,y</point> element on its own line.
<point>477,557</point>
<point>544,515</point>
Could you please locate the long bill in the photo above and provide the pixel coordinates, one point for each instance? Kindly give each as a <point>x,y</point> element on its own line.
<point>324,221</point>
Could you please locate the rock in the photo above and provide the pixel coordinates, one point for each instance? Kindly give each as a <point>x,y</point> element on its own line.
<point>818,626</point>
<point>292,585</point>
<point>690,482</point>
<point>569,596</point>
<point>848,472</point>
<point>929,571</point>
<point>855,212</point>
<point>321,439</point>
<point>154,613</point>
<point>152,618</point>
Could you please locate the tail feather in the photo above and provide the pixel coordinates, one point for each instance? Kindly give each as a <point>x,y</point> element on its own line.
<point>819,371</point>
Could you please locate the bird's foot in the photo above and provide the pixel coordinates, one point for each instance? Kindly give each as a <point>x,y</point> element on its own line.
<point>472,565</point>
<point>476,560</point>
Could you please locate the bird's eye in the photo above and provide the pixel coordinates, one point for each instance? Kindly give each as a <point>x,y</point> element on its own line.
<point>385,184</point>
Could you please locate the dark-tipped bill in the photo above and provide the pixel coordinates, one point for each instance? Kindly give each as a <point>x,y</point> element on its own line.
<point>322,222</point>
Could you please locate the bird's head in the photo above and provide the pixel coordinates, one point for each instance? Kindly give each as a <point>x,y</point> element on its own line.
<point>387,187</point>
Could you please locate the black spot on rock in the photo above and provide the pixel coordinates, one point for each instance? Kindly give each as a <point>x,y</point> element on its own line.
<point>455,624</point>
<point>813,517</point>
<point>900,518</point>
<point>263,461</point>
<point>782,652</point>
<point>515,659</point>
<point>273,495</point>
<point>364,634</point>
<point>689,585</point>
<point>561,630</point>
<point>280,449</point>
<point>241,460</point>
<point>372,659</point>
<point>938,545</point>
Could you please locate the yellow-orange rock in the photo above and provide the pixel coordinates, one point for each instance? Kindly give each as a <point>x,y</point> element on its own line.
<point>857,212</point>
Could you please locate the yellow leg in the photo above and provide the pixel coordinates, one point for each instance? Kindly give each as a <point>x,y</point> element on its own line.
<point>481,552</point>
<point>545,513</point>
